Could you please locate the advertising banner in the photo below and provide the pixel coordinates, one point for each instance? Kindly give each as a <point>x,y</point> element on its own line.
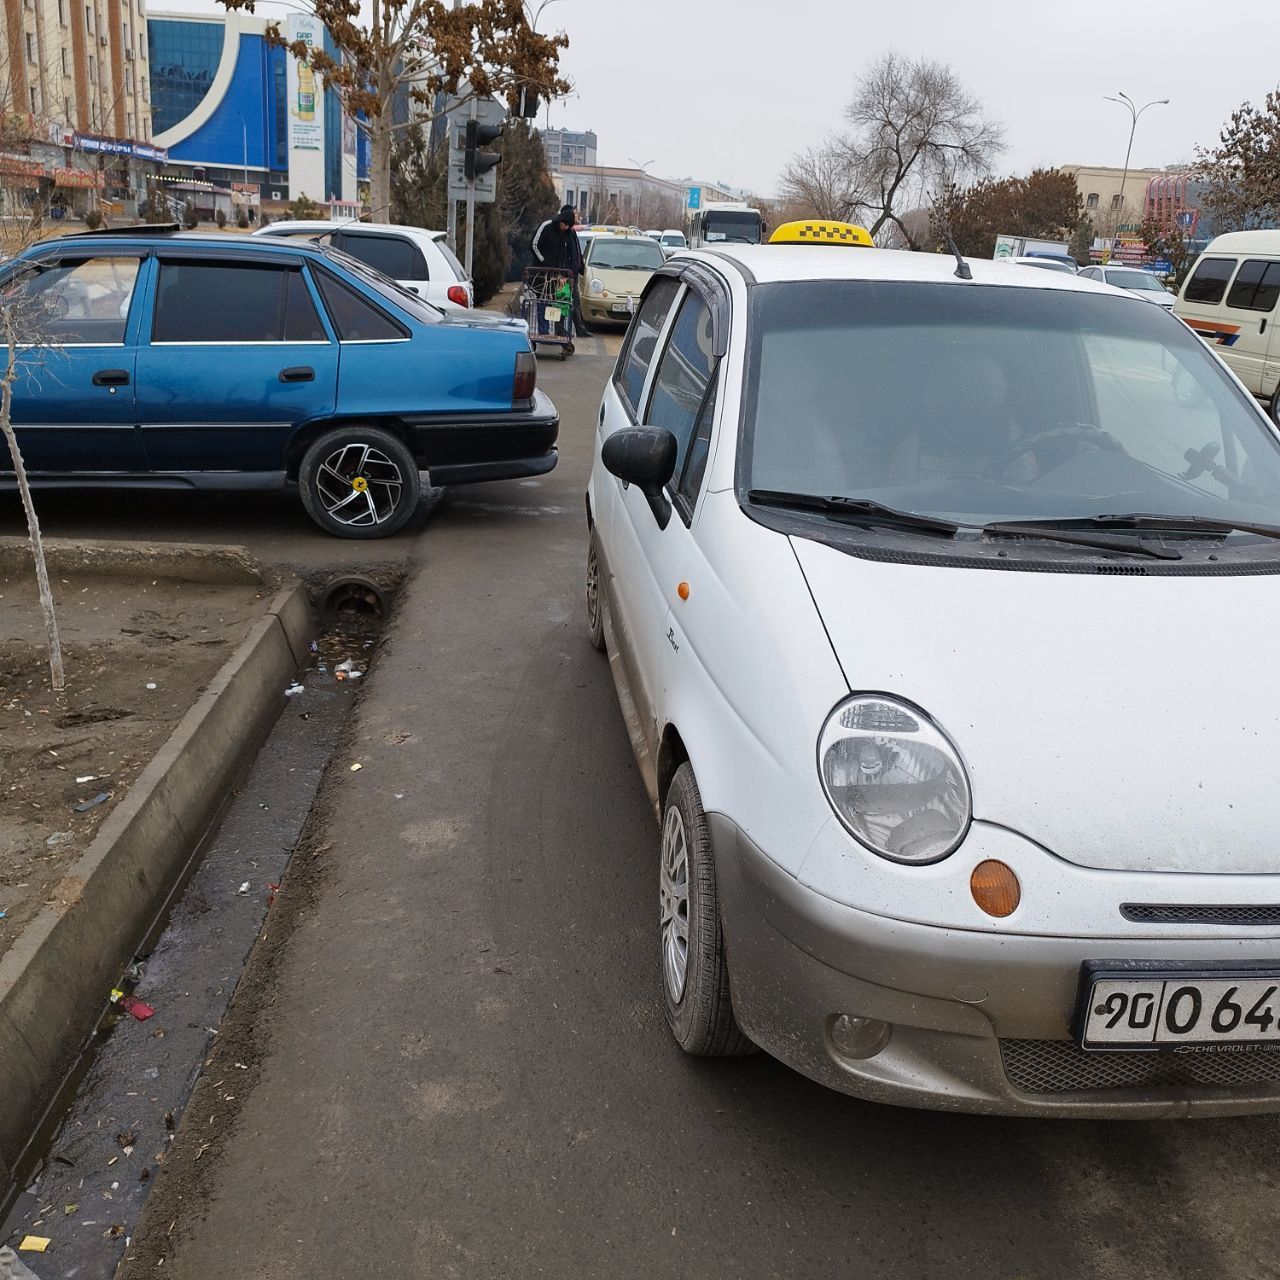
<point>306,111</point>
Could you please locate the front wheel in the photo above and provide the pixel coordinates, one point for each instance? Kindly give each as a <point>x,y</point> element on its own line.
<point>695,973</point>
<point>595,606</point>
<point>359,482</point>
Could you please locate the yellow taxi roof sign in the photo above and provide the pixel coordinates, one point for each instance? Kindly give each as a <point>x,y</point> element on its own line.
<point>821,231</point>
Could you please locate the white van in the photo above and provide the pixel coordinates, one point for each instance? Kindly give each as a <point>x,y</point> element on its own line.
<point>1230,301</point>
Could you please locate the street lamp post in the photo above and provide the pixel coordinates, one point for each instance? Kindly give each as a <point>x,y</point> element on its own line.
<point>1134,112</point>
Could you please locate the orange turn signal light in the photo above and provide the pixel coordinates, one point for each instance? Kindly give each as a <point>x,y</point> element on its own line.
<point>995,888</point>
<point>683,591</point>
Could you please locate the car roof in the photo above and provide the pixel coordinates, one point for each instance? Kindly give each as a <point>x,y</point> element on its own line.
<point>1261,241</point>
<point>337,224</point>
<point>160,236</point>
<point>770,263</point>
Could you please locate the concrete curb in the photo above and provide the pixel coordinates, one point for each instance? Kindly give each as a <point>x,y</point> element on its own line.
<point>183,561</point>
<point>55,978</point>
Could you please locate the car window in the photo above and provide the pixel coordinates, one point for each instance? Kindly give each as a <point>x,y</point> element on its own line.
<point>394,256</point>
<point>355,318</point>
<point>73,300</point>
<point>695,464</point>
<point>684,372</point>
<point>1256,286</point>
<point>233,302</point>
<point>1039,405</point>
<point>637,352</point>
<point>459,271</point>
<point>1209,280</point>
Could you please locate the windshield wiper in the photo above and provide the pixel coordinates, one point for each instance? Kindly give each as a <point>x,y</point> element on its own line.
<point>1160,523</point>
<point>854,510</point>
<point>1053,531</point>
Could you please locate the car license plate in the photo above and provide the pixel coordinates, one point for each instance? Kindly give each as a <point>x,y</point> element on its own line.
<point>1167,1009</point>
<point>621,306</point>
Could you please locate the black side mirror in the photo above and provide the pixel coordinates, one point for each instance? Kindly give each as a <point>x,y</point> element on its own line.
<point>646,458</point>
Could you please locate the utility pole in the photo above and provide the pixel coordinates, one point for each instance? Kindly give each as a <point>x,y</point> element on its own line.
<point>471,191</point>
<point>451,214</point>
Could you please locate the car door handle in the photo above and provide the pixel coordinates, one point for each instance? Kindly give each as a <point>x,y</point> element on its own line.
<point>111,378</point>
<point>298,373</point>
<point>1262,328</point>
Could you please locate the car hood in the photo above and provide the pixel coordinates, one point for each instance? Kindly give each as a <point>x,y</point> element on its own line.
<point>632,282</point>
<point>1122,722</point>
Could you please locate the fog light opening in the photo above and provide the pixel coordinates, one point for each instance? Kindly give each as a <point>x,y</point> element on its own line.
<point>995,888</point>
<point>855,1037</point>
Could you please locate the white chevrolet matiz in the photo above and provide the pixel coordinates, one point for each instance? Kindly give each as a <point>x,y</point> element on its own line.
<point>942,604</point>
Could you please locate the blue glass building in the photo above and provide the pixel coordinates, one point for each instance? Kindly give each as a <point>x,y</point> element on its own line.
<point>220,102</point>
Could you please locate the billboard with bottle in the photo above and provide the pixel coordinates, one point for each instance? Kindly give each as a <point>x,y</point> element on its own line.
<point>306,111</point>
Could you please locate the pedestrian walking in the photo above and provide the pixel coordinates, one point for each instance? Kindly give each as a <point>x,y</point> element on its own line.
<point>556,249</point>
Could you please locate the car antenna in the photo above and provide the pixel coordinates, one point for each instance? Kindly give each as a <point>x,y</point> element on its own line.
<point>963,271</point>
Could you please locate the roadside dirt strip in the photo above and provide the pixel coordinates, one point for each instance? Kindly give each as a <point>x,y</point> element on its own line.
<point>56,975</point>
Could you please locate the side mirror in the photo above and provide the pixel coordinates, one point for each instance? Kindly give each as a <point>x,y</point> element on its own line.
<point>646,458</point>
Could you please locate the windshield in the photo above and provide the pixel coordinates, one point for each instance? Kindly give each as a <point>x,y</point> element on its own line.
<point>451,258</point>
<point>981,403</point>
<point>640,254</point>
<point>673,240</point>
<point>742,226</point>
<point>1142,281</point>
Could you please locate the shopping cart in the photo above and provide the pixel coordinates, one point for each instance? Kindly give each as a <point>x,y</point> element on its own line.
<point>545,301</point>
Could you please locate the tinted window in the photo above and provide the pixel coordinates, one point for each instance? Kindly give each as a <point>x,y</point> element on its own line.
<point>394,256</point>
<point>684,371</point>
<point>226,302</point>
<point>633,363</point>
<point>1209,280</point>
<point>1256,286</point>
<point>696,463</point>
<point>73,300</point>
<point>355,319</point>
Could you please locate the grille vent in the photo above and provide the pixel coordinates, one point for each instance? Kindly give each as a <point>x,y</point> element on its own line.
<point>1156,913</point>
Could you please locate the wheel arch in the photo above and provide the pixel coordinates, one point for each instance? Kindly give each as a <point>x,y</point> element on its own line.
<point>308,432</point>
<point>672,753</point>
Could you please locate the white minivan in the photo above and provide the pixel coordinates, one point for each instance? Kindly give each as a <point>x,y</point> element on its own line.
<point>1230,301</point>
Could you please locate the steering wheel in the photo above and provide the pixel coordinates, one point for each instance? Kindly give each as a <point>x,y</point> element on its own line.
<point>1053,439</point>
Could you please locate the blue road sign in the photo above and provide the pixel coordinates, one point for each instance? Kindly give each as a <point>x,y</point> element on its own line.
<point>1186,217</point>
<point>1162,266</point>
<point>695,197</point>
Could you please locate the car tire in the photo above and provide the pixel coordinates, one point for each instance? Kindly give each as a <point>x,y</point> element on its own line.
<point>695,974</point>
<point>380,472</point>
<point>594,600</point>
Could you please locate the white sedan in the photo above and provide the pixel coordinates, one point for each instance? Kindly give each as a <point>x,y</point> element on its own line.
<point>941,606</point>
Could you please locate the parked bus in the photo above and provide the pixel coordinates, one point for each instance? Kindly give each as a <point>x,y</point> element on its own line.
<point>725,223</point>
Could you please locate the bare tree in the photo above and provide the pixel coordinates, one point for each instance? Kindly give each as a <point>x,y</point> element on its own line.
<point>26,347</point>
<point>914,127</point>
<point>827,181</point>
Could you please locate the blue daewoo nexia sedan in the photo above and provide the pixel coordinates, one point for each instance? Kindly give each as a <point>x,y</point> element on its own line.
<point>155,358</point>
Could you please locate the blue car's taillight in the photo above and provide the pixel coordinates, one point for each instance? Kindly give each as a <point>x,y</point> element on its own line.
<point>526,378</point>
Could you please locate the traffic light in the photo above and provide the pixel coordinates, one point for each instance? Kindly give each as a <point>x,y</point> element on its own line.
<point>475,161</point>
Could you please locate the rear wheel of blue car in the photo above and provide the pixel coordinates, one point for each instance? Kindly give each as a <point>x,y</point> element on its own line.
<point>359,482</point>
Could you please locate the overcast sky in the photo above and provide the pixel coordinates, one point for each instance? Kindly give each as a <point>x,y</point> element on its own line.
<point>729,89</point>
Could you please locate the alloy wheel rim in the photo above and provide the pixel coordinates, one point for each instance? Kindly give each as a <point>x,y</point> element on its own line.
<point>673,897</point>
<point>359,486</point>
<point>593,588</point>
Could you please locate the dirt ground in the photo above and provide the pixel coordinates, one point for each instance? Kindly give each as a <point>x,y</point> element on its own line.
<point>137,655</point>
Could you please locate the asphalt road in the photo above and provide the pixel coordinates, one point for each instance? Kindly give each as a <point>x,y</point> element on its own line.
<point>453,1056</point>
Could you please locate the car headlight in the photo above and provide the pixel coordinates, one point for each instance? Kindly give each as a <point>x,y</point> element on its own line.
<point>894,779</point>
<point>596,289</point>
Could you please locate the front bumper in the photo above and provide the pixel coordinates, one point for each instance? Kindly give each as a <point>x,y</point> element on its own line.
<point>979,1020</point>
<point>601,310</point>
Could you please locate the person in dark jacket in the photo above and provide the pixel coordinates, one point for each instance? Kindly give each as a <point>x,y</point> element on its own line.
<point>556,248</point>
